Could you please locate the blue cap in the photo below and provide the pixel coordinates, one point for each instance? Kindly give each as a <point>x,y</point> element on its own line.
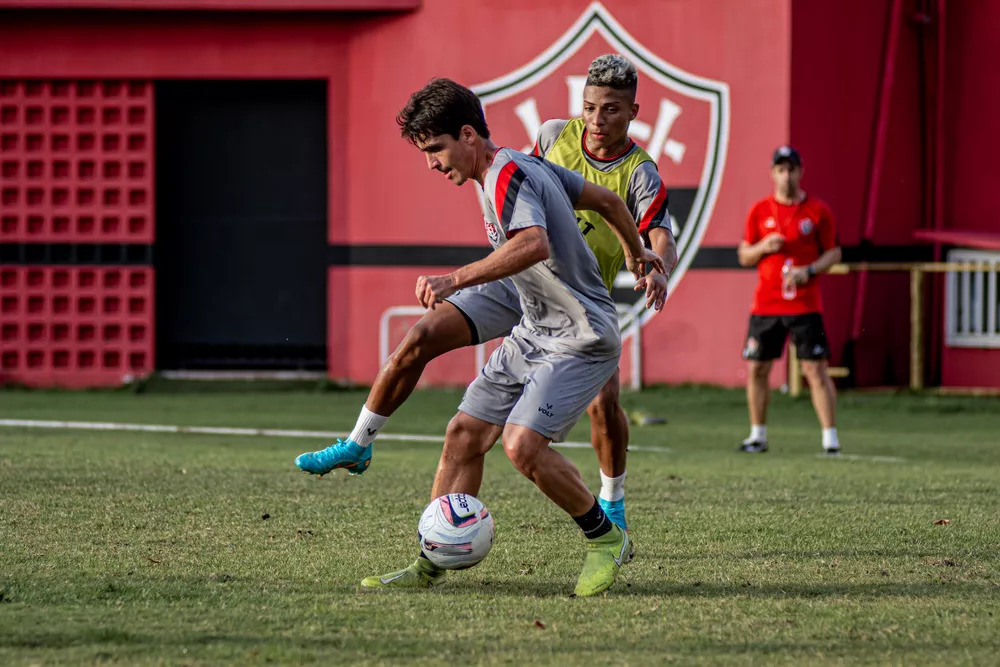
<point>786,154</point>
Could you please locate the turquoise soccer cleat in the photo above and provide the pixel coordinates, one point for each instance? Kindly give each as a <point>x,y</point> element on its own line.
<point>341,454</point>
<point>615,509</point>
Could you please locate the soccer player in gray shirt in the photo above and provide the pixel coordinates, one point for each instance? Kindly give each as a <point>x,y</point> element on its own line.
<point>540,380</point>
<point>597,146</point>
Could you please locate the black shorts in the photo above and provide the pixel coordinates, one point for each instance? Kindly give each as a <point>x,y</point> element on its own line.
<point>766,337</point>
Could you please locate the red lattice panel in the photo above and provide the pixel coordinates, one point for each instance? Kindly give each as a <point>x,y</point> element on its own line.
<point>75,326</point>
<point>76,161</point>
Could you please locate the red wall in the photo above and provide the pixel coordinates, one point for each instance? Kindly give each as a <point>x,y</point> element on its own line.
<point>837,58</point>
<point>972,90</point>
<point>972,87</point>
<point>801,71</point>
<point>114,46</point>
<point>716,40</point>
<point>837,61</point>
<point>379,189</point>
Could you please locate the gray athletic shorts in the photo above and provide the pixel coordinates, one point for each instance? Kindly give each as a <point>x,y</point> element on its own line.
<point>492,309</point>
<point>545,391</point>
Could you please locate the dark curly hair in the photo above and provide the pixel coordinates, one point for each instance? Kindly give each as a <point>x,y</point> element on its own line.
<point>441,107</point>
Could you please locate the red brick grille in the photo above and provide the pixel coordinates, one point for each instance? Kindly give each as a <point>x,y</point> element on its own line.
<point>76,167</point>
<point>76,161</point>
<point>75,325</point>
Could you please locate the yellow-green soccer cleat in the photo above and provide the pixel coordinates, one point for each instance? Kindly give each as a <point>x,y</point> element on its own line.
<point>605,556</point>
<point>420,574</point>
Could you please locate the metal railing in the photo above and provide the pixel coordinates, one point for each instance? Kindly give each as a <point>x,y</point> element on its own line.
<point>971,301</point>
<point>972,279</point>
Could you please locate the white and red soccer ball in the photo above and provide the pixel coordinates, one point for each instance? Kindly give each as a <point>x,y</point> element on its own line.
<point>455,531</point>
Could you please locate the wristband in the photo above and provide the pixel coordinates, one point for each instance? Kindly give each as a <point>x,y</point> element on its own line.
<point>811,271</point>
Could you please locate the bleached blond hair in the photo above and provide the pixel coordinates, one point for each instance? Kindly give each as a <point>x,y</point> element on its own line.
<point>613,71</point>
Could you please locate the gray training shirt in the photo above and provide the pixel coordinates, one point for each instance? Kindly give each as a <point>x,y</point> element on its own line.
<point>567,308</point>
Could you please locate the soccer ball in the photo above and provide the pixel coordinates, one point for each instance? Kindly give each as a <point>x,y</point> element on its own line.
<point>455,531</point>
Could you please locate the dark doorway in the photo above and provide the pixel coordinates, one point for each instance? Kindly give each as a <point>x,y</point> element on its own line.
<point>241,225</point>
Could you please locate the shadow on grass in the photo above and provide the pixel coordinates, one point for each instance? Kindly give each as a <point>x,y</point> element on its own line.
<point>50,639</point>
<point>667,589</point>
<point>293,592</point>
<point>672,561</point>
<point>113,646</point>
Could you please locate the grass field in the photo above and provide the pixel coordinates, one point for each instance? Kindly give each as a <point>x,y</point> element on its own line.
<point>191,549</point>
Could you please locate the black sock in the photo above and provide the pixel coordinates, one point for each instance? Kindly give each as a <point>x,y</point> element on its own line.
<point>594,523</point>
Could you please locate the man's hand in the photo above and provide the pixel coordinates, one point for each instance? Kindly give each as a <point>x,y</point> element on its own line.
<point>432,290</point>
<point>648,259</point>
<point>771,243</point>
<point>655,285</point>
<point>796,275</point>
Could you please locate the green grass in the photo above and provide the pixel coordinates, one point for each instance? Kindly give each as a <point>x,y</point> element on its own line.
<point>153,548</point>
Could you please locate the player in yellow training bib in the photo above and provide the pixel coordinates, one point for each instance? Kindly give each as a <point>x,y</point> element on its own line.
<point>630,173</point>
<point>598,147</point>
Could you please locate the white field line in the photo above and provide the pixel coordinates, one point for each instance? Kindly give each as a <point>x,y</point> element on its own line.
<point>862,457</point>
<point>269,432</point>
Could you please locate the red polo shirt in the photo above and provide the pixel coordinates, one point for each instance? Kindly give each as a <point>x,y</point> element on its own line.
<point>809,231</point>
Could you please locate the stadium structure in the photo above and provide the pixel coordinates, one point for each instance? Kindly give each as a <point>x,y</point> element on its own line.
<point>212,186</point>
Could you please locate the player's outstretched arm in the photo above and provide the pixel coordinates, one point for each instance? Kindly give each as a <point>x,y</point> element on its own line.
<point>614,211</point>
<point>655,283</point>
<point>526,247</point>
<point>662,241</point>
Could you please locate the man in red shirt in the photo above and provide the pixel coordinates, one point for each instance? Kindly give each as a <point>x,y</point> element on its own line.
<point>791,238</point>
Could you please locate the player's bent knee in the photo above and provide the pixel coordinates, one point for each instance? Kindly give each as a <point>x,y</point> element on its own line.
<point>759,369</point>
<point>815,371</point>
<point>607,398</point>
<point>462,441</point>
<point>602,412</point>
<point>521,453</point>
<point>605,405</point>
<point>432,336</point>
<point>411,350</point>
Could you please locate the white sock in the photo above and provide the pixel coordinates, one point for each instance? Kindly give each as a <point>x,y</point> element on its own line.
<point>368,426</point>
<point>612,488</point>
<point>830,438</point>
<point>758,433</point>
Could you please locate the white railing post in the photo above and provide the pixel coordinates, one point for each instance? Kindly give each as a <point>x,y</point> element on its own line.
<point>480,357</point>
<point>630,326</point>
<point>636,355</point>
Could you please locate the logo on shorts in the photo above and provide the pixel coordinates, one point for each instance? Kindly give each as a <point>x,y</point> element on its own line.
<point>806,225</point>
<point>751,347</point>
<point>492,232</point>
<point>818,350</point>
<point>547,410</point>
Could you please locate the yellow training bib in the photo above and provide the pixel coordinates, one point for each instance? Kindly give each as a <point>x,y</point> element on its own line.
<point>568,151</point>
